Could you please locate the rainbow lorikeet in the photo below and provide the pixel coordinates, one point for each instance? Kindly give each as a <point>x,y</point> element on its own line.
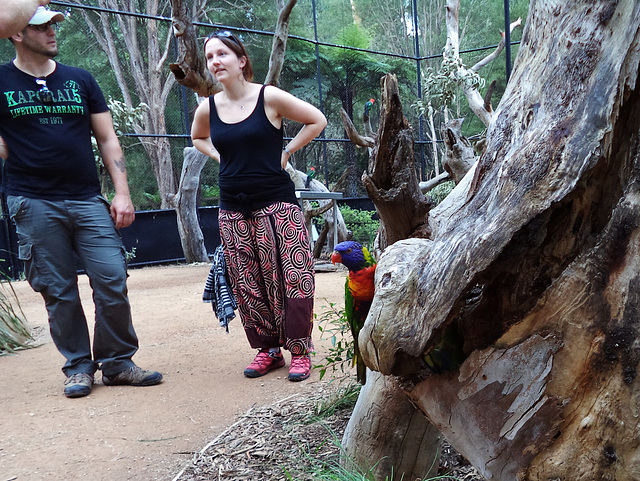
<point>367,107</point>
<point>310,175</point>
<point>359,289</point>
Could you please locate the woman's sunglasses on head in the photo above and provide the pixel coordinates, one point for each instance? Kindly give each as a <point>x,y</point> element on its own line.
<point>224,34</point>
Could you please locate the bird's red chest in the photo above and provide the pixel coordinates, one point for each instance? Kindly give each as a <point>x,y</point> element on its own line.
<point>361,283</point>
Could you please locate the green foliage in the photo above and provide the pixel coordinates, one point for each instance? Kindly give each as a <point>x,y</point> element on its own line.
<point>361,223</point>
<point>14,333</point>
<point>130,255</point>
<point>442,87</point>
<point>439,192</point>
<point>210,194</point>
<point>124,117</point>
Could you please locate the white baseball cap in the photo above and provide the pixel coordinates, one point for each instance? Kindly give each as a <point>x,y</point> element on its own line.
<point>44,15</point>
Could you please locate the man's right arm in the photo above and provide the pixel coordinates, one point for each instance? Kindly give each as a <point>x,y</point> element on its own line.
<point>15,15</point>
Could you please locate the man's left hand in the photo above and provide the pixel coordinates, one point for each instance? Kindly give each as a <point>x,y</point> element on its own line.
<point>122,211</point>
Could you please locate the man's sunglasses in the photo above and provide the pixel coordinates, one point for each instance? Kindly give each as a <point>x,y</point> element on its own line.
<point>44,94</point>
<point>45,26</point>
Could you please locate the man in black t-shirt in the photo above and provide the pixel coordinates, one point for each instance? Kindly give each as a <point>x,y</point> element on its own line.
<point>48,113</point>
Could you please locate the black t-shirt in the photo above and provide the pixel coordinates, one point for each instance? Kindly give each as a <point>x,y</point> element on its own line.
<point>50,152</point>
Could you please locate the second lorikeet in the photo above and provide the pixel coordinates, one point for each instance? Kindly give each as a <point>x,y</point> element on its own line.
<point>359,290</point>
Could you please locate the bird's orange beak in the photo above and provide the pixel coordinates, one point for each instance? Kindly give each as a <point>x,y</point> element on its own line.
<point>336,258</point>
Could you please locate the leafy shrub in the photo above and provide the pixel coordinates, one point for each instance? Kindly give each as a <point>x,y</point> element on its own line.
<point>361,223</point>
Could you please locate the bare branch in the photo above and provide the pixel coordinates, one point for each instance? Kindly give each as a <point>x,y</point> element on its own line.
<point>431,184</point>
<point>353,134</point>
<point>279,45</point>
<point>493,55</point>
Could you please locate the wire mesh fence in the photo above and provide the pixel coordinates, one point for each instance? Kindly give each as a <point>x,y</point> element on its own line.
<point>336,54</point>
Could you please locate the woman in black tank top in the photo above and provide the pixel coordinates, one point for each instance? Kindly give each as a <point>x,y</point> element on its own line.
<point>267,252</point>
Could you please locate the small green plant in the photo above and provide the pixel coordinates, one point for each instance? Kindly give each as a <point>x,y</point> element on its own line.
<point>153,198</point>
<point>320,468</point>
<point>332,323</point>
<point>130,255</point>
<point>343,398</point>
<point>210,192</point>
<point>14,333</point>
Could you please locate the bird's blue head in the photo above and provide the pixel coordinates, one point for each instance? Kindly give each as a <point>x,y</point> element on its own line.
<point>349,253</point>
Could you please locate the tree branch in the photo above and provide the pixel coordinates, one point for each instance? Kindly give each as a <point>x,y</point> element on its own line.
<point>279,45</point>
<point>493,55</point>
<point>353,134</point>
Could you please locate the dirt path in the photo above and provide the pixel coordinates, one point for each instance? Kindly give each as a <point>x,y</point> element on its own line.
<point>143,434</point>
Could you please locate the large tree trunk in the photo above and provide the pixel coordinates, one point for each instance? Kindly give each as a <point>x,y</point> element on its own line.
<point>386,434</point>
<point>529,280</point>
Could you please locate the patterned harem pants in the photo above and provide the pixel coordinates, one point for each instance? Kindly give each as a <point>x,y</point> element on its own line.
<point>271,272</point>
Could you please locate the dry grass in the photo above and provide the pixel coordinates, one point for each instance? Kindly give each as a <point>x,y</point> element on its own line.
<point>277,442</point>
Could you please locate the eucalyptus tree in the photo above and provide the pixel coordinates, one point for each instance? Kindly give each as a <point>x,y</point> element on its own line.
<point>137,50</point>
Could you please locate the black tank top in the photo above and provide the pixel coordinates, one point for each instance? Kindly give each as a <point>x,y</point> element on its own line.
<point>251,176</point>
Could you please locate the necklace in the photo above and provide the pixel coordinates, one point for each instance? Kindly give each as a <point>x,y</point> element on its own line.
<point>235,103</point>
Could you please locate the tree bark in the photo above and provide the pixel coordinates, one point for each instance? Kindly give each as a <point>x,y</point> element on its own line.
<point>279,45</point>
<point>459,151</point>
<point>399,443</point>
<point>386,434</point>
<point>392,182</point>
<point>186,202</point>
<point>530,271</point>
<point>189,69</point>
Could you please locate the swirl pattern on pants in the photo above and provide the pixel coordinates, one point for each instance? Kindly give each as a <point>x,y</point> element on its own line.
<point>271,272</point>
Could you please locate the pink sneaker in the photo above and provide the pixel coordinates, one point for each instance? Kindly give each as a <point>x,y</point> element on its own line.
<point>300,368</point>
<point>264,362</point>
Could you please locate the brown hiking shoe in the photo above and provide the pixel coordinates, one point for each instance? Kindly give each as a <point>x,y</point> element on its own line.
<point>133,376</point>
<point>78,385</point>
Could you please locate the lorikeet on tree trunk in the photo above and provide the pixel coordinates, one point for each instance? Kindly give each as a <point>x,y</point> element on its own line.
<point>359,291</point>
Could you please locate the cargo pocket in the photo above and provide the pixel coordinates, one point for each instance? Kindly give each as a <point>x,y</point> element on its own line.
<point>25,254</point>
